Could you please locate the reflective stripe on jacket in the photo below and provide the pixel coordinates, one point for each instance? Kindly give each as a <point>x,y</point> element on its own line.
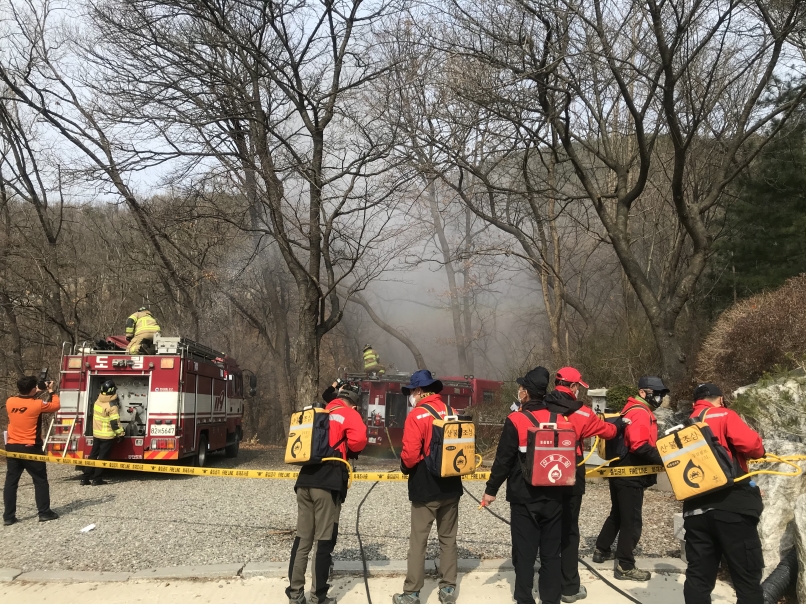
<point>106,418</point>
<point>371,359</point>
<point>140,323</point>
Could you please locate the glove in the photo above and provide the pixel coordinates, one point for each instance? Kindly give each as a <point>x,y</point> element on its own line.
<point>352,455</point>
<point>404,469</point>
<point>128,338</point>
<point>621,423</point>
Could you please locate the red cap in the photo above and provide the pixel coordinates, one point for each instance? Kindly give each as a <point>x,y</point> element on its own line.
<point>569,374</point>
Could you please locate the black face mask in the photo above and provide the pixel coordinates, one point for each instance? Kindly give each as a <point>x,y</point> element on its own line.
<point>654,400</point>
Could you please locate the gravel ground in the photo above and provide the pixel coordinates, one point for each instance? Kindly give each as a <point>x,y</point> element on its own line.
<point>146,520</point>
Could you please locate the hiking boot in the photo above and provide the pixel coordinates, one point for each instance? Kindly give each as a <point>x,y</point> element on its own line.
<point>634,574</point>
<point>447,594</point>
<point>99,482</point>
<point>84,481</point>
<point>298,599</point>
<point>600,556</point>
<point>581,594</point>
<point>11,521</point>
<point>407,597</point>
<point>48,515</point>
<point>325,599</point>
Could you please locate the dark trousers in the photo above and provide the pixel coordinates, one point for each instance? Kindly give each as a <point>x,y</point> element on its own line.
<point>101,450</point>
<point>534,526</point>
<point>570,543</point>
<point>625,520</point>
<point>710,536</point>
<point>37,470</point>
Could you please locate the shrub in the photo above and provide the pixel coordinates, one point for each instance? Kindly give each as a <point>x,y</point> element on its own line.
<point>755,336</point>
<point>617,396</point>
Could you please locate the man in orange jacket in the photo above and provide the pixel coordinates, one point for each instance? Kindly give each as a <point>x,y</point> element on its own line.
<point>24,436</point>
<point>432,498</point>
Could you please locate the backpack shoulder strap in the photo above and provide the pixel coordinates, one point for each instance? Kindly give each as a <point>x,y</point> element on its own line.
<point>432,411</point>
<point>531,417</point>
<point>701,417</point>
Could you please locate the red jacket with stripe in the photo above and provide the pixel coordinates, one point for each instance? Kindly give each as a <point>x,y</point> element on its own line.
<point>731,431</point>
<point>744,443</point>
<point>423,485</point>
<point>640,438</point>
<point>586,424</point>
<point>346,432</point>
<point>511,453</point>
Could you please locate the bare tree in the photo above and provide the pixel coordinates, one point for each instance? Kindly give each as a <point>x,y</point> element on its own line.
<point>272,97</point>
<point>675,95</point>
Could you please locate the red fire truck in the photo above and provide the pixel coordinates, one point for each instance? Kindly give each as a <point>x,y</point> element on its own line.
<point>385,407</point>
<point>185,400</point>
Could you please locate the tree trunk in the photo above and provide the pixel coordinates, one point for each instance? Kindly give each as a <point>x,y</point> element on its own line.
<point>450,272</point>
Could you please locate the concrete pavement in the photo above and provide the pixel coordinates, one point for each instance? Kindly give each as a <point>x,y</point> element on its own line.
<point>486,584</point>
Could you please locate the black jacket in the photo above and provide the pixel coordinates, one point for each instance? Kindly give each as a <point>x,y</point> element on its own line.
<point>332,476</point>
<point>330,394</point>
<point>742,498</point>
<point>424,486</point>
<point>508,466</point>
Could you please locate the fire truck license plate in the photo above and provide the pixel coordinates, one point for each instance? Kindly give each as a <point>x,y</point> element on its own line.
<point>160,430</point>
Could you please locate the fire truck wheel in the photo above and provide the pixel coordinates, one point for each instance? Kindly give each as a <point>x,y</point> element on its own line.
<point>231,451</point>
<point>200,459</point>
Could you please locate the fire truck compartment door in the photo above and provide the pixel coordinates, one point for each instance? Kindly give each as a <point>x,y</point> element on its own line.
<point>396,409</point>
<point>132,393</point>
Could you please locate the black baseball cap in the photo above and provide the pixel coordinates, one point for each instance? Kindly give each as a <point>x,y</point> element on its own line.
<point>536,380</point>
<point>707,390</point>
<point>653,383</point>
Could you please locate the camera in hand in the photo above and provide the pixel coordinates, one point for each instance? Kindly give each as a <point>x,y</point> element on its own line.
<point>42,380</point>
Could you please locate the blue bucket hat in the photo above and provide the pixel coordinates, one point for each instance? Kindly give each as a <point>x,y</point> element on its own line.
<point>422,379</point>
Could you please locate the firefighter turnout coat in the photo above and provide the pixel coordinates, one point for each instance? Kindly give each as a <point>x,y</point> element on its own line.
<point>141,322</point>
<point>346,433</point>
<point>371,360</point>
<point>106,417</point>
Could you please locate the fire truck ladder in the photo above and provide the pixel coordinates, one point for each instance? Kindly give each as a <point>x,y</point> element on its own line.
<point>50,437</point>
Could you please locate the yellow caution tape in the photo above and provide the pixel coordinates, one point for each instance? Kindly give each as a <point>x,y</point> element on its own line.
<point>624,471</point>
<point>607,472</point>
<point>209,472</point>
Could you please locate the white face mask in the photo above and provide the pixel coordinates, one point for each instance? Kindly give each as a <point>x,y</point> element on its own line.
<point>412,400</point>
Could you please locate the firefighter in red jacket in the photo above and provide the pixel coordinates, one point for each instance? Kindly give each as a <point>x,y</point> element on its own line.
<point>724,522</point>
<point>432,498</point>
<point>627,494</point>
<point>538,514</point>
<point>321,489</point>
